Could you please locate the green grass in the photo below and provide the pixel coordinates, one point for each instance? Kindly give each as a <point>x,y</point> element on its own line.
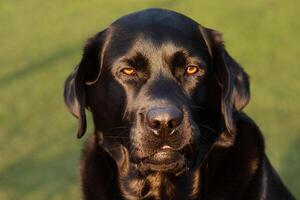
<point>41,42</point>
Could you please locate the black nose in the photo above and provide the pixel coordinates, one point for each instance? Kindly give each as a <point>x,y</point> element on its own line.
<point>164,119</point>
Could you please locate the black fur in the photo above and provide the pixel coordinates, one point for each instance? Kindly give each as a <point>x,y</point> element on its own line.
<point>199,145</point>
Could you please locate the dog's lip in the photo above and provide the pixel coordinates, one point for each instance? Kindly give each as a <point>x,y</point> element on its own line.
<point>164,154</point>
<point>165,160</point>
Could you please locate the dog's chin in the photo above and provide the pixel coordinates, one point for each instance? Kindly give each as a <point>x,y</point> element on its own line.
<point>165,161</point>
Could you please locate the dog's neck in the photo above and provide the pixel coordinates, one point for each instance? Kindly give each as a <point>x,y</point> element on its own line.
<point>159,185</point>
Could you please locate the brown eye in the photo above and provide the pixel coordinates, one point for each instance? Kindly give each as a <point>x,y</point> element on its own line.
<point>129,71</point>
<point>190,70</point>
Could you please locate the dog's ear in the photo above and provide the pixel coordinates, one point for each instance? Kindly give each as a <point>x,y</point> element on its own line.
<point>232,79</point>
<point>87,72</point>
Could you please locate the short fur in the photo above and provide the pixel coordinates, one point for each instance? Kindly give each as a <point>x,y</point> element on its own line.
<point>215,152</point>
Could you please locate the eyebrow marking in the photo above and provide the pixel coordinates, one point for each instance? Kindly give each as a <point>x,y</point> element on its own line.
<point>182,57</point>
<point>179,58</point>
<point>138,60</point>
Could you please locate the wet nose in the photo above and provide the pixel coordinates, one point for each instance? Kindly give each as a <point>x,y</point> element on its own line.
<point>164,119</point>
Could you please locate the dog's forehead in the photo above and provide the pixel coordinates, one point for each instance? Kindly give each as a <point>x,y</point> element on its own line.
<point>149,48</point>
<point>151,18</point>
<point>154,31</point>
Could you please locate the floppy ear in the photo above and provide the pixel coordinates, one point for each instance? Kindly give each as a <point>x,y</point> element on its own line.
<point>232,79</point>
<point>87,72</point>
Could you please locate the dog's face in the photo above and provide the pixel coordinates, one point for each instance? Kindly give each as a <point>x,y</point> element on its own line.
<point>161,85</point>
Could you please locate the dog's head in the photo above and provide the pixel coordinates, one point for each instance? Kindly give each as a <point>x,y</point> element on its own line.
<point>161,85</point>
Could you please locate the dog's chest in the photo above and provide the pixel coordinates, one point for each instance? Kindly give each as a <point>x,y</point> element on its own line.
<point>155,186</point>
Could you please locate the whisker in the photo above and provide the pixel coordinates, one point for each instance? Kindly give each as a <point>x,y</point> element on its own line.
<point>109,136</point>
<point>123,131</point>
<point>198,107</point>
<point>208,128</point>
<point>118,136</point>
<point>119,127</point>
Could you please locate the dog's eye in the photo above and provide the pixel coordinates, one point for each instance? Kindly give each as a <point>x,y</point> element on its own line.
<point>191,70</point>
<point>129,71</point>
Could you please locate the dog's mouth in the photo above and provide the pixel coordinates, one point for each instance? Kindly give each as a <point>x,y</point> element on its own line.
<point>166,161</point>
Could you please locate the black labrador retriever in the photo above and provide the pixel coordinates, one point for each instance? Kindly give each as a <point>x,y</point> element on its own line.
<point>166,100</point>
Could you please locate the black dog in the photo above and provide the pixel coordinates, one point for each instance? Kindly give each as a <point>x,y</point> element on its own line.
<point>166,100</point>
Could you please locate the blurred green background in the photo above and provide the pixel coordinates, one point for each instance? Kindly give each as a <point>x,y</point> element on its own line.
<point>41,42</point>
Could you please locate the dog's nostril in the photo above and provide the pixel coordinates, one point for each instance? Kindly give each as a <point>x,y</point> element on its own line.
<point>155,124</point>
<point>164,118</point>
<point>174,123</point>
